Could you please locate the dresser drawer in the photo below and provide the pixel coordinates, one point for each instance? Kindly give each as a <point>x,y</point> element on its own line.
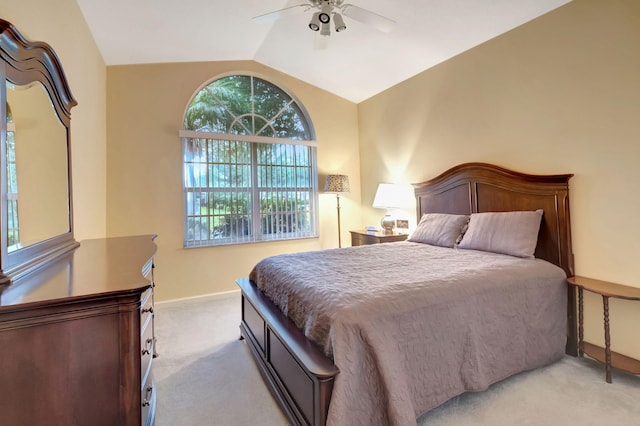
<point>148,401</point>
<point>146,352</point>
<point>362,240</point>
<point>146,307</point>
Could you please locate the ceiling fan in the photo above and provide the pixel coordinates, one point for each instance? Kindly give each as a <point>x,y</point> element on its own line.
<point>328,10</point>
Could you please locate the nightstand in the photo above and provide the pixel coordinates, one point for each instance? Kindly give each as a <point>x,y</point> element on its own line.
<point>363,237</point>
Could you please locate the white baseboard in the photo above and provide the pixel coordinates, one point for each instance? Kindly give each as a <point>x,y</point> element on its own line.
<point>211,295</point>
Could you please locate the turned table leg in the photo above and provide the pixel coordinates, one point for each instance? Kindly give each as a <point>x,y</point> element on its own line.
<point>607,338</point>
<point>580,321</point>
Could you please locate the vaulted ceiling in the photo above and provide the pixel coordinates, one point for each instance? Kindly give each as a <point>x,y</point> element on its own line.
<point>355,64</point>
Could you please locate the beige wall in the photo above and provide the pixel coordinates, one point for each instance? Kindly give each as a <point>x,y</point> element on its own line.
<point>61,24</point>
<point>560,94</point>
<point>146,104</point>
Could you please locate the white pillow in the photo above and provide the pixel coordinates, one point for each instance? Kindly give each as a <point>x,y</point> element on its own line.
<point>439,229</point>
<point>513,233</point>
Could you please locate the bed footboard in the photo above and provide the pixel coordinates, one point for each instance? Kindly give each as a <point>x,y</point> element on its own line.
<point>296,371</point>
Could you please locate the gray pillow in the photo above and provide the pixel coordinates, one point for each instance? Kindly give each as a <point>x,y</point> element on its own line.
<point>439,229</point>
<point>513,233</point>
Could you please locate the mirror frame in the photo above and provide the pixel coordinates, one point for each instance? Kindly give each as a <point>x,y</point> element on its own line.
<point>24,62</point>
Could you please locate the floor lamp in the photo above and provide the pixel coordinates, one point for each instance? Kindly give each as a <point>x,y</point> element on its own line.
<point>336,184</point>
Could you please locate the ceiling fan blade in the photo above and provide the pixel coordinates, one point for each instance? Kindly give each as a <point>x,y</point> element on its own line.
<point>272,16</point>
<point>367,17</point>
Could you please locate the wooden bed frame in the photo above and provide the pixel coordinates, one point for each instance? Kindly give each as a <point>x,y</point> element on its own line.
<point>295,369</point>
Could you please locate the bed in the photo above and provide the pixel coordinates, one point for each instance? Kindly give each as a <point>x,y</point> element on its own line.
<point>354,365</point>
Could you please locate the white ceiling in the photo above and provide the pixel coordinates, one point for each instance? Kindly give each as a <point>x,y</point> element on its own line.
<point>356,64</point>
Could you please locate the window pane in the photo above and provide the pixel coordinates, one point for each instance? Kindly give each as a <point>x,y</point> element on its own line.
<point>234,93</point>
<point>289,124</point>
<point>285,206</point>
<point>269,100</point>
<point>241,126</point>
<point>206,114</point>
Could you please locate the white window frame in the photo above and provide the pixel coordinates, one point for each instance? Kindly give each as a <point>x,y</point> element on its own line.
<point>308,192</point>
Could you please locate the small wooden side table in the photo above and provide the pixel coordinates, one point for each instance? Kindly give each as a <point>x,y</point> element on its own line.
<point>363,237</point>
<point>605,355</point>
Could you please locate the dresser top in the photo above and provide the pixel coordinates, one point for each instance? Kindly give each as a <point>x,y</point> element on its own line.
<point>97,268</point>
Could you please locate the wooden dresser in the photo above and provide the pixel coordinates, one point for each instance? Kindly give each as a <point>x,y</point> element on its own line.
<point>77,338</point>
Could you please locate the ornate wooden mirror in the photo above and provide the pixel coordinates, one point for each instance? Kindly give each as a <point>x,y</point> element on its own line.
<point>36,223</point>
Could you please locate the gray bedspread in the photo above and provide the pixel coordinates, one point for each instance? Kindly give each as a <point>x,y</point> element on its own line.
<point>412,325</point>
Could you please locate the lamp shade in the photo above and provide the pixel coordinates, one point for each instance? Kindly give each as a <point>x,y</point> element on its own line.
<point>337,184</point>
<point>393,196</point>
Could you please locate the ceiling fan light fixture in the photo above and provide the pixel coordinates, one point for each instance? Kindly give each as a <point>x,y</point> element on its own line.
<point>324,17</point>
<point>326,29</point>
<point>314,24</point>
<point>339,22</point>
<point>325,12</point>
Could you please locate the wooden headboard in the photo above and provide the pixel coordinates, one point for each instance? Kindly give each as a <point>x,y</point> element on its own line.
<point>479,187</point>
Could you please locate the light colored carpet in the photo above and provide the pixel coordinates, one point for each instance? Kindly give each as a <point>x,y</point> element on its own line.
<point>205,376</point>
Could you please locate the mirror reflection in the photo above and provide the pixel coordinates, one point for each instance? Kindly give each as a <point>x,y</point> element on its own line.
<point>37,174</point>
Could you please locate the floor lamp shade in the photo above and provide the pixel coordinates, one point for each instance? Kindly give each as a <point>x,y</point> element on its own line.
<point>336,184</point>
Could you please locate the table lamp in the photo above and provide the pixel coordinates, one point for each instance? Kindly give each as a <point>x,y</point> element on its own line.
<point>391,196</point>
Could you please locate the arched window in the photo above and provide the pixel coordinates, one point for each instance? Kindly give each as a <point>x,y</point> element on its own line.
<point>249,156</point>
